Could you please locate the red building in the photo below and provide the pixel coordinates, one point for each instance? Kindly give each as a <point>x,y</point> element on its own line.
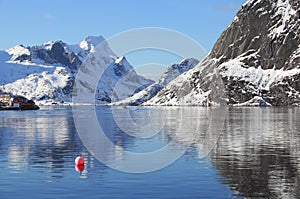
<point>23,103</point>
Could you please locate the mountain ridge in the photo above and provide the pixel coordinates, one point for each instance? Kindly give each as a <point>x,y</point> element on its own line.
<point>171,73</point>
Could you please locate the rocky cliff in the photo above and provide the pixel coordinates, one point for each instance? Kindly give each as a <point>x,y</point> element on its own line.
<point>257,57</point>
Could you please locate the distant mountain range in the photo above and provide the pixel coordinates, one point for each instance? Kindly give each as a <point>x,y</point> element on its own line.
<point>46,73</point>
<point>256,61</point>
<point>170,74</point>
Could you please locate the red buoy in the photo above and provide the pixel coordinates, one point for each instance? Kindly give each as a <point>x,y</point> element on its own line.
<point>79,167</point>
<point>79,160</point>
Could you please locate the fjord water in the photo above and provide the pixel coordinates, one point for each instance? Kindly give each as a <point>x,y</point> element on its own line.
<point>255,156</point>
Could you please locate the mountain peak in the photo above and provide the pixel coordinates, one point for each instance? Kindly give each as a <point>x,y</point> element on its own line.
<point>91,42</point>
<point>18,52</point>
<point>120,60</point>
<point>189,61</point>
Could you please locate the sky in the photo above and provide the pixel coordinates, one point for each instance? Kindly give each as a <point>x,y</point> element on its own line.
<point>32,22</point>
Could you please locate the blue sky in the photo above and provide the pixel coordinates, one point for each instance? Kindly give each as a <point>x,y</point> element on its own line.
<point>31,22</point>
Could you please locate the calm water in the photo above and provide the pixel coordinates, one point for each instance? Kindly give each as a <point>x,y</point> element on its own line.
<point>256,155</point>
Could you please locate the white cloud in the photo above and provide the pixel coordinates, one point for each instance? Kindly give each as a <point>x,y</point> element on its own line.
<point>48,16</point>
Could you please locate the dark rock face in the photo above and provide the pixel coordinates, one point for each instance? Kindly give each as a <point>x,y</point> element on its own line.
<point>257,55</point>
<point>55,55</point>
<point>58,55</point>
<point>268,31</point>
<point>254,30</point>
<point>286,92</point>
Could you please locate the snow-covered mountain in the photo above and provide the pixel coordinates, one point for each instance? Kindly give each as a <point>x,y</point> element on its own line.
<point>105,79</point>
<point>257,58</point>
<point>47,72</point>
<point>171,73</point>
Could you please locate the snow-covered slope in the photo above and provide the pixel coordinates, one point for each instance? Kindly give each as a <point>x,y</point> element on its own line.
<point>43,86</point>
<point>171,73</point>
<point>120,81</point>
<point>47,72</point>
<point>258,55</point>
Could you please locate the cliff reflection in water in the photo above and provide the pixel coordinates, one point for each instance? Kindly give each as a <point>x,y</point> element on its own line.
<point>259,152</point>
